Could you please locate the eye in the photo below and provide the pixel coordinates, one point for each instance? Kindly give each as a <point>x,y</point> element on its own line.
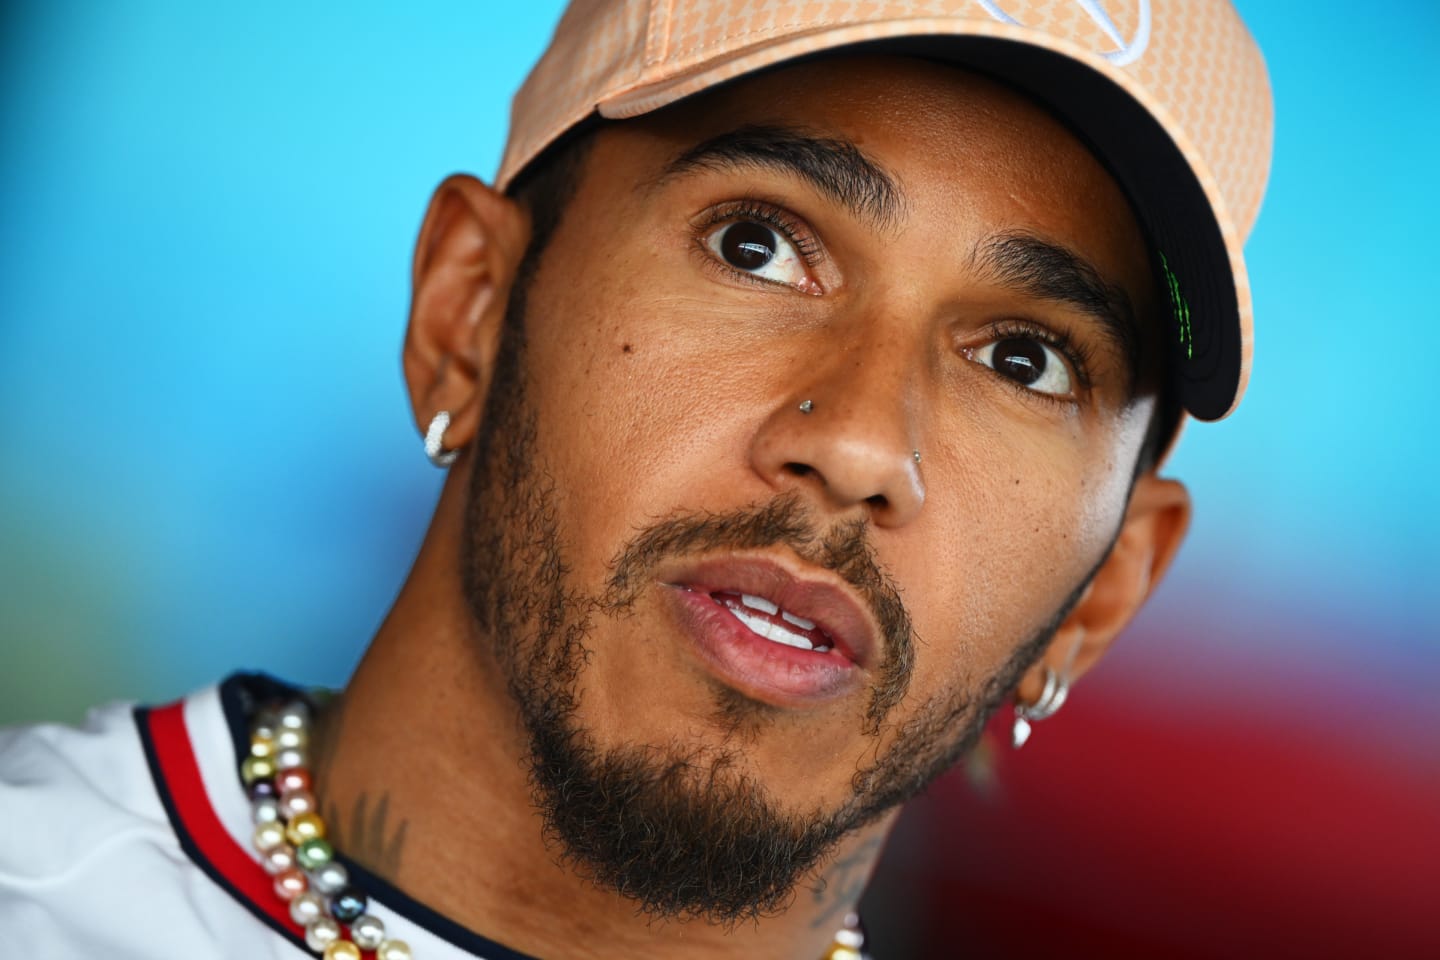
<point>1030,362</point>
<point>759,250</point>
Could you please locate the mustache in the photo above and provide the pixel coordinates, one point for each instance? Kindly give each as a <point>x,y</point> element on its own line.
<point>844,549</point>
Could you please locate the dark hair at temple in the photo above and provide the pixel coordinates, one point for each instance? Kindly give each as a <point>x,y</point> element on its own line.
<point>548,183</point>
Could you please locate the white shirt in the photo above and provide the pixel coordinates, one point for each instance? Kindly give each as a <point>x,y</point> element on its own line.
<point>129,837</point>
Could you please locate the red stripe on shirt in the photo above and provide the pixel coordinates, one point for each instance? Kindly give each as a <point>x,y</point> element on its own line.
<point>176,756</point>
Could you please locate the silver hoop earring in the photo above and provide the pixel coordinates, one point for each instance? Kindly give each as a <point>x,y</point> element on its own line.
<point>1051,699</point>
<point>435,441</point>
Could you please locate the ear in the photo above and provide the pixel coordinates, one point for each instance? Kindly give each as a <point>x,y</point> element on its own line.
<point>470,247</point>
<point>1154,526</point>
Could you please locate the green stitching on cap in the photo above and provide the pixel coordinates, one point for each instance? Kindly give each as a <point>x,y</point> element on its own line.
<point>1180,308</point>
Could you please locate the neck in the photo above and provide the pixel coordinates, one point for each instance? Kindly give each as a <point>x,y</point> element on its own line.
<point>421,775</point>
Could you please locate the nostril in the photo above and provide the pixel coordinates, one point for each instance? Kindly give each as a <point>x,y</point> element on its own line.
<point>877,501</point>
<point>799,469</point>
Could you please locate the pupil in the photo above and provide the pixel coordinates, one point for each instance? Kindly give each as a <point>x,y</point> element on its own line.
<point>748,246</point>
<point>1021,360</point>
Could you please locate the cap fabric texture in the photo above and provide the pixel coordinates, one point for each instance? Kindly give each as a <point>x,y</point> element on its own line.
<point>1171,95</point>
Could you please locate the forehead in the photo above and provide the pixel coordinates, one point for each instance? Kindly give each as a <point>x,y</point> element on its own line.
<point>959,146</point>
<point>934,109</point>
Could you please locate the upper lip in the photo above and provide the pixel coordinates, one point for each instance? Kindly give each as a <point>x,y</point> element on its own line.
<point>801,589</point>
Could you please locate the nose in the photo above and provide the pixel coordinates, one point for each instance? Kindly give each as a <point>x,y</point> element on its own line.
<point>846,434</point>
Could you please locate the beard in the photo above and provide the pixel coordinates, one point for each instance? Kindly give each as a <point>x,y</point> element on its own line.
<point>679,829</point>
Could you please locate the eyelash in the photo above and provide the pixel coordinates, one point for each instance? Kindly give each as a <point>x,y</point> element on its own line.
<point>1078,354</point>
<point>780,220</point>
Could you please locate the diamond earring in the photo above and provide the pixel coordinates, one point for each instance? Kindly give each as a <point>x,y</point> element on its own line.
<point>435,441</point>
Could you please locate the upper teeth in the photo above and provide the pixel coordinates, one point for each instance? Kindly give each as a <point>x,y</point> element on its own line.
<point>800,622</point>
<point>767,627</point>
<point>760,603</point>
<point>772,631</point>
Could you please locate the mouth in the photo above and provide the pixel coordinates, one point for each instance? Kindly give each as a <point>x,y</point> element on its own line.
<point>773,631</point>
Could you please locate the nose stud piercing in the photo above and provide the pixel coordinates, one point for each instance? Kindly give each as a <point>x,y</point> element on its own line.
<point>806,406</point>
<point>916,455</point>
<point>435,441</point>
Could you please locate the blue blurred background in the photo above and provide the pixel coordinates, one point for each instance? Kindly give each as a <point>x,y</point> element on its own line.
<point>206,459</point>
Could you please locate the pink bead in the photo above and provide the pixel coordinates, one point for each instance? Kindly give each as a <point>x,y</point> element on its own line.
<point>289,884</point>
<point>278,859</point>
<point>295,802</point>
<point>295,778</point>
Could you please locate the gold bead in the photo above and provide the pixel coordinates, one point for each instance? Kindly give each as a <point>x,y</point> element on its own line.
<point>268,836</point>
<point>342,950</point>
<point>393,950</point>
<point>256,768</point>
<point>305,826</point>
<point>842,952</point>
<point>262,747</point>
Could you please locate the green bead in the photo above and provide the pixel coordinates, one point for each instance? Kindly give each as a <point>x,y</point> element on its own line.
<point>314,854</point>
<point>256,768</point>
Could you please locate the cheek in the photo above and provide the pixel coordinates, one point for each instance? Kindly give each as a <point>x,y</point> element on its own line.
<point>645,405</point>
<point>1016,523</point>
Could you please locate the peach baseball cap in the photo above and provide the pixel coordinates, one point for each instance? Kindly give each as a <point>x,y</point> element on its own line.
<point>1172,95</point>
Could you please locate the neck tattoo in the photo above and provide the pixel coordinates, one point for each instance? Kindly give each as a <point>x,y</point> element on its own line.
<point>290,838</point>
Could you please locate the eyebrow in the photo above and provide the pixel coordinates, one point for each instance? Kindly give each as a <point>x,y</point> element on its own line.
<point>1049,271</point>
<point>832,166</point>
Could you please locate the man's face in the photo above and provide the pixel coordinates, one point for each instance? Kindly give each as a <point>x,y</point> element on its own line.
<point>806,613</point>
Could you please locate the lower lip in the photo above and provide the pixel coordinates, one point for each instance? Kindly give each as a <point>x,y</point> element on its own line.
<point>761,669</point>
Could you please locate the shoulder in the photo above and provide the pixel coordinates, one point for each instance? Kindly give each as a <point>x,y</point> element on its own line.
<point>83,819</point>
<point>73,791</point>
<point>89,857</point>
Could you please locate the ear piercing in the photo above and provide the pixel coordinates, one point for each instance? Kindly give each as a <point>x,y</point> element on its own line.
<point>1051,699</point>
<point>916,455</point>
<point>435,441</point>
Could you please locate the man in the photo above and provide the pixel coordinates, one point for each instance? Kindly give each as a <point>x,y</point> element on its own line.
<point>802,383</point>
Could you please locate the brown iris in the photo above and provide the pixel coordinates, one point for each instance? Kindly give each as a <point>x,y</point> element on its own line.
<point>1020,359</point>
<point>747,246</point>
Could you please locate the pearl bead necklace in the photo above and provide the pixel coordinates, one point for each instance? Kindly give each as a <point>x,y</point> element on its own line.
<point>290,838</point>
